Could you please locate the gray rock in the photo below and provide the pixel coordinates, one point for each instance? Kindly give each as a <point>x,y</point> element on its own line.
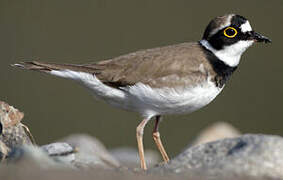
<point>13,133</point>
<point>4,150</point>
<point>60,151</point>
<point>31,154</point>
<point>248,155</point>
<point>129,157</point>
<point>57,149</point>
<point>90,152</point>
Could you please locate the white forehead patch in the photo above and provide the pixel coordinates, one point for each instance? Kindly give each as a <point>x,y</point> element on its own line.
<point>246,27</point>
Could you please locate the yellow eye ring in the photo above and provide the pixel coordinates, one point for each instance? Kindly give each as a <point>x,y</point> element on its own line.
<point>229,34</point>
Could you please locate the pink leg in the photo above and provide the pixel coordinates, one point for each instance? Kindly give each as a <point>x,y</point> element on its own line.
<point>156,137</point>
<point>140,142</point>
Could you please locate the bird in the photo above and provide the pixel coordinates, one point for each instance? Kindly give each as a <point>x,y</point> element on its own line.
<point>173,79</point>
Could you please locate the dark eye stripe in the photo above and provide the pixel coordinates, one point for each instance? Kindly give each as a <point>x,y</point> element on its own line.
<point>219,40</point>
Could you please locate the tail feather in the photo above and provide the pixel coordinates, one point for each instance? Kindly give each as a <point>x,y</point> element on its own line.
<point>36,66</point>
<point>47,67</point>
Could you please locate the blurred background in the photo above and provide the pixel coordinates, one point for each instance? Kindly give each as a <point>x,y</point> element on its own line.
<point>84,31</point>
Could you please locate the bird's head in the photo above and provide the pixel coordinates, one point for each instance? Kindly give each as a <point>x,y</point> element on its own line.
<point>228,36</point>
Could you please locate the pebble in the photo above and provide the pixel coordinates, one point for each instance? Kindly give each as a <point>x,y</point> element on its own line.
<point>60,151</point>
<point>90,152</point>
<point>252,155</point>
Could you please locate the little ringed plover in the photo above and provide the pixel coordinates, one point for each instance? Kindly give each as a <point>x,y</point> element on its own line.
<point>174,79</point>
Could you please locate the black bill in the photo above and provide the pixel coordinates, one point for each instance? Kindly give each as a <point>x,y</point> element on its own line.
<point>258,37</point>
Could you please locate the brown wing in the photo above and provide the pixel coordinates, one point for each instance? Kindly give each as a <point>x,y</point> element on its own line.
<point>176,65</point>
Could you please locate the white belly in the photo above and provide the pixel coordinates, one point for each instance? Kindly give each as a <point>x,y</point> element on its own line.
<point>151,102</point>
<point>146,100</point>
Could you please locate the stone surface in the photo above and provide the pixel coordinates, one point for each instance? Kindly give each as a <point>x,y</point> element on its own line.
<point>9,115</point>
<point>129,157</point>
<point>58,148</point>
<point>32,155</point>
<point>60,151</point>
<point>248,155</point>
<point>90,152</point>
<point>245,157</point>
<point>216,131</point>
<point>13,132</point>
<point>29,171</point>
<point>4,150</point>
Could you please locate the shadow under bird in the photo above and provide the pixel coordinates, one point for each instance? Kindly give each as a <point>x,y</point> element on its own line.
<point>173,79</point>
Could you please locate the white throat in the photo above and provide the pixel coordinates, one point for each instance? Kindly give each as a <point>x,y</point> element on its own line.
<point>231,54</point>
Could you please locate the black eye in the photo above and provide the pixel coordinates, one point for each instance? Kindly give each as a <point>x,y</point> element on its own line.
<point>230,32</point>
